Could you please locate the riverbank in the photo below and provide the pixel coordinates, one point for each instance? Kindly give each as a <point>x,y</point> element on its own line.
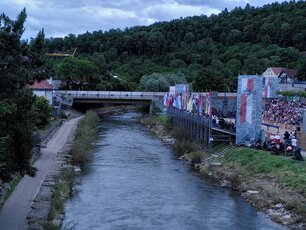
<point>274,185</point>
<point>47,211</point>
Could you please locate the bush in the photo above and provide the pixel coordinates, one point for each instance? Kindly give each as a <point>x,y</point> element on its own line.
<point>180,134</point>
<point>183,147</point>
<point>195,157</point>
<point>62,191</point>
<point>165,121</point>
<point>86,134</point>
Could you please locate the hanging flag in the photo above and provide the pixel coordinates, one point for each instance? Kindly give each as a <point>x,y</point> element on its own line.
<point>243,108</point>
<point>246,111</point>
<point>208,104</point>
<point>179,100</point>
<point>166,96</point>
<point>189,107</point>
<point>200,104</point>
<point>247,84</point>
<point>268,89</point>
<point>249,108</point>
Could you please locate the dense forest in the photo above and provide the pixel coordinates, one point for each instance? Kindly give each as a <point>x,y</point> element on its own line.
<point>209,51</point>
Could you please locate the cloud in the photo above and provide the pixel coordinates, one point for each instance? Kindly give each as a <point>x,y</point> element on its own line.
<point>60,18</point>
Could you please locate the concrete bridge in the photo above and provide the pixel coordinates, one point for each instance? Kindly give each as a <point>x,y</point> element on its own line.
<point>90,99</point>
<point>71,96</point>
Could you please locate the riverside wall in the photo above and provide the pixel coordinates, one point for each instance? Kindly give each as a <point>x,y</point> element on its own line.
<point>37,216</point>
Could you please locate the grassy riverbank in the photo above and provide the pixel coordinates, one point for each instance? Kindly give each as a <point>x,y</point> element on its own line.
<point>86,134</point>
<point>80,153</point>
<point>279,181</point>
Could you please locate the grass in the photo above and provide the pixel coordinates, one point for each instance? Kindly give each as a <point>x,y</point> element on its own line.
<point>195,157</point>
<point>86,134</point>
<point>165,121</point>
<point>13,185</point>
<point>180,134</point>
<point>289,173</point>
<point>276,174</point>
<point>61,192</point>
<point>81,153</point>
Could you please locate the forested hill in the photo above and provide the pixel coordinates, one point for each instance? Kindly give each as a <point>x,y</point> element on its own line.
<point>210,51</point>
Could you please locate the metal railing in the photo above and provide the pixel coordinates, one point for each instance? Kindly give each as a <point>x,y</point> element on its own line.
<point>111,94</point>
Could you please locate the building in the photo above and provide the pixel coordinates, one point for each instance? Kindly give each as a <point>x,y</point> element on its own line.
<point>285,75</point>
<point>43,89</point>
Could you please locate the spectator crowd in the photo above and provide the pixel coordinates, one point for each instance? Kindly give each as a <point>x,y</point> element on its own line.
<point>284,110</point>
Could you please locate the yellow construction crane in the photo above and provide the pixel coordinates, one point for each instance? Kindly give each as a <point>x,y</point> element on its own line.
<point>70,54</point>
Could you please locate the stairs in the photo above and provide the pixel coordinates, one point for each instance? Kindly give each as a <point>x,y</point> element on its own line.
<point>215,153</point>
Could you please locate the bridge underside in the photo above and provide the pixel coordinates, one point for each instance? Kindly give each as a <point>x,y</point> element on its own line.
<point>86,104</point>
<point>112,101</point>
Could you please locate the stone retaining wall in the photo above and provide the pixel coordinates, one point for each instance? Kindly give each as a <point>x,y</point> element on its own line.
<point>38,214</point>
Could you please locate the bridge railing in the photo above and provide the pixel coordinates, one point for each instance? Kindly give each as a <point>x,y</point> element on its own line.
<point>111,94</point>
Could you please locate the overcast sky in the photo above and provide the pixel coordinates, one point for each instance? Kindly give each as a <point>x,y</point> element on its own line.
<point>61,17</point>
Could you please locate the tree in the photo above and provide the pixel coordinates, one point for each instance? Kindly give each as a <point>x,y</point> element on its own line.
<point>210,80</point>
<point>78,73</point>
<point>158,82</point>
<point>43,112</point>
<point>20,64</point>
<point>301,74</point>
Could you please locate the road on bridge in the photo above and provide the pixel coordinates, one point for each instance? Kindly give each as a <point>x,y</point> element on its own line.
<point>13,213</point>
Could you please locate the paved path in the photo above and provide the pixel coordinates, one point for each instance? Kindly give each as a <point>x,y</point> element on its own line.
<point>13,213</point>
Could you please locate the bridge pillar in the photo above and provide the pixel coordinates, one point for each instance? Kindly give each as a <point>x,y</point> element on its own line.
<point>151,108</point>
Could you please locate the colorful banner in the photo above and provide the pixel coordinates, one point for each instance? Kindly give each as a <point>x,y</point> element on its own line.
<point>249,101</point>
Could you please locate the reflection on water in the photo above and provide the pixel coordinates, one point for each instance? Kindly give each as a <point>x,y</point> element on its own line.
<point>134,182</point>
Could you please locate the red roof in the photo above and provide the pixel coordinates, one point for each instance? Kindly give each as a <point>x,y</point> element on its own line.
<point>44,84</point>
<point>290,72</point>
<point>277,70</point>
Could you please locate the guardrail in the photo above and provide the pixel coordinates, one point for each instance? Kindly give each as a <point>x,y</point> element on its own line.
<point>111,94</point>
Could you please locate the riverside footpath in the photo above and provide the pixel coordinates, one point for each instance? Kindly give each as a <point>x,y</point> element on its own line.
<point>13,213</point>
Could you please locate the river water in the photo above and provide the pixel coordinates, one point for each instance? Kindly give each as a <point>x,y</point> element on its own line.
<point>135,182</point>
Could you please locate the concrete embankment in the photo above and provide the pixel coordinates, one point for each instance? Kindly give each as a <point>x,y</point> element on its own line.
<point>38,214</point>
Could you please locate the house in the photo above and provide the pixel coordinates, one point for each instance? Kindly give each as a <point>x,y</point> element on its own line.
<point>43,89</point>
<point>282,73</point>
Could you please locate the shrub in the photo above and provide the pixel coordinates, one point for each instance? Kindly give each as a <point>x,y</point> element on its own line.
<point>182,147</point>
<point>165,121</point>
<point>180,134</point>
<point>195,157</point>
<point>86,134</point>
<point>61,192</point>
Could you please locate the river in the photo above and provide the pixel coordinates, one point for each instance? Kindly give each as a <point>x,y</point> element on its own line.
<point>135,182</point>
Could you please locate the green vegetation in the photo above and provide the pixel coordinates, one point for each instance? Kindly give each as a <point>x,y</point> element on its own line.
<point>183,144</point>
<point>195,157</point>
<point>161,82</point>
<point>62,191</point>
<point>43,112</point>
<point>165,121</point>
<point>180,134</point>
<point>292,93</point>
<point>81,153</point>
<point>209,51</point>
<point>13,185</point>
<point>20,65</point>
<point>86,134</point>
<point>289,173</point>
<point>280,179</point>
